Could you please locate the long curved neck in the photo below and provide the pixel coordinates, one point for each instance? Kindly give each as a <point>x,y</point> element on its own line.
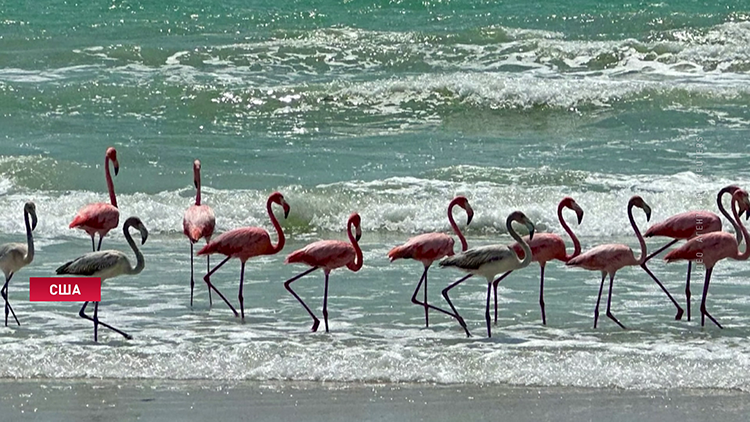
<point>576,243</point>
<point>741,256</point>
<point>198,190</point>
<point>110,185</point>
<point>642,258</point>
<point>464,245</point>
<point>521,241</point>
<point>358,259</point>
<point>140,264</point>
<point>29,241</point>
<point>725,213</point>
<point>280,244</point>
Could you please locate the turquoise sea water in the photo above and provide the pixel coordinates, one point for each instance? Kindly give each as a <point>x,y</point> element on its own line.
<point>389,109</point>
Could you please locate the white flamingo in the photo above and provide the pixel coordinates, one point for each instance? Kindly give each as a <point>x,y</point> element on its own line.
<point>489,261</point>
<point>108,264</point>
<point>14,256</point>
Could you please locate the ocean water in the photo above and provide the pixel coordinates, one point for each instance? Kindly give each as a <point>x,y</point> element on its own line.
<point>388,108</point>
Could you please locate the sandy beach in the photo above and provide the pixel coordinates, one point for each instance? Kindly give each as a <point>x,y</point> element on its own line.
<point>96,400</point>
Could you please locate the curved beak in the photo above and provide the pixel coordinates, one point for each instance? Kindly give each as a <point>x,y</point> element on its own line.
<point>33,221</point>
<point>286,209</point>
<point>144,234</point>
<point>117,167</point>
<point>358,234</point>
<point>195,183</point>
<point>469,215</point>
<point>579,214</point>
<point>647,210</point>
<point>530,226</point>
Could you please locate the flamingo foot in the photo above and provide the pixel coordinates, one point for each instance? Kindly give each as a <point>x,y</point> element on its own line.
<point>612,317</point>
<point>315,325</point>
<point>678,317</point>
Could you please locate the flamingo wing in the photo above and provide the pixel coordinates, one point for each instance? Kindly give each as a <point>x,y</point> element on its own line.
<point>474,258</point>
<point>325,253</point>
<point>244,242</point>
<point>97,216</point>
<point>199,221</point>
<point>686,225</point>
<point>428,246</point>
<point>92,263</point>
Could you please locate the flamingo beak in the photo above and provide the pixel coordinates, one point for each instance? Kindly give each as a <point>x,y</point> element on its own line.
<point>195,183</point>
<point>469,215</point>
<point>117,168</point>
<point>647,210</point>
<point>144,234</point>
<point>530,226</point>
<point>579,214</point>
<point>358,234</point>
<point>286,209</point>
<point>33,221</point>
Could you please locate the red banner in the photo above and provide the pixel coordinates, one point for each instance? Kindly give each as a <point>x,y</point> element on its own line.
<point>65,289</point>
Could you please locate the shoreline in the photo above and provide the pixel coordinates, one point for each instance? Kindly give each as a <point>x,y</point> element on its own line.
<point>166,400</point>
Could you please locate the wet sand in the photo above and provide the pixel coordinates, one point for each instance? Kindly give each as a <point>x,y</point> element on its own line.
<point>129,400</point>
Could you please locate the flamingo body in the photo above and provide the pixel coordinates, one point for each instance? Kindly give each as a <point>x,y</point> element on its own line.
<point>326,254</point>
<point>544,247</point>
<point>98,218</point>
<point>14,256</point>
<point>243,243</point>
<point>425,248</point>
<point>710,248</point>
<point>686,225</point>
<point>199,222</point>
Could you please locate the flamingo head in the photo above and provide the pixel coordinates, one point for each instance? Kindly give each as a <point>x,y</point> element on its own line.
<point>520,217</point>
<point>571,203</point>
<point>278,198</point>
<point>743,202</point>
<point>138,225</point>
<point>356,221</point>
<point>731,189</point>
<point>30,209</point>
<point>197,173</point>
<point>112,156</point>
<point>637,201</point>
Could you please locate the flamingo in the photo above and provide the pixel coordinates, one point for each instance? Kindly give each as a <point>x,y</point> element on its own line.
<point>611,257</point>
<point>429,247</point>
<point>108,264</point>
<point>711,248</point>
<point>100,217</point>
<point>328,255</point>
<point>547,247</point>
<point>198,222</point>
<point>685,226</point>
<point>489,261</point>
<point>245,243</point>
<point>14,256</point>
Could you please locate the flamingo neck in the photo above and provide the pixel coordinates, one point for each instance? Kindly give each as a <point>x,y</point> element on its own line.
<point>358,259</point>
<point>29,240</point>
<point>642,258</point>
<point>140,263</point>
<point>564,224</point>
<point>725,213</point>
<point>198,190</point>
<point>464,245</point>
<point>521,241</point>
<point>280,244</point>
<point>110,185</point>
<point>741,256</point>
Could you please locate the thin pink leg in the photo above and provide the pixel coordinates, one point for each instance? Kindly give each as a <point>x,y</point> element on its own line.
<point>288,286</point>
<point>207,279</point>
<point>494,286</point>
<point>704,312</point>
<point>455,312</point>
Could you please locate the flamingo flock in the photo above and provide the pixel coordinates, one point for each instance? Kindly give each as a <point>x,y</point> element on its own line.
<point>706,244</point>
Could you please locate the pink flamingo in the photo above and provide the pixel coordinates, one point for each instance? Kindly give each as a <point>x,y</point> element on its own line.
<point>100,217</point>
<point>711,248</point>
<point>429,247</point>
<point>199,222</point>
<point>328,255</point>
<point>245,243</point>
<point>685,226</point>
<point>612,257</point>
<point>547,247</point>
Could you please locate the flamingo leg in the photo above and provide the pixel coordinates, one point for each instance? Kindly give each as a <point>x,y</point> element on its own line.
<point>680,311</point>
<point>325,301</point>
<point>426,309</point>
<point>687,288</point>
<point>426,305</point>
<point>455,312</point>
<point>82,314</point>
<point>96,321</point>
<point>8,308</point>
<point>192,280</point>
<point>541,296</point>
<point>240,296</point>
<point>487,311</point>
<point>598,299</point>
<point>207,279</point>
<point>660,250</point>
<point>704,312</point>
<point>609,301</point>
<point>101,237</point>
<point>93,244</point>
<point>208,268</point>
<point>494,287</point>
<point>288,286</point>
